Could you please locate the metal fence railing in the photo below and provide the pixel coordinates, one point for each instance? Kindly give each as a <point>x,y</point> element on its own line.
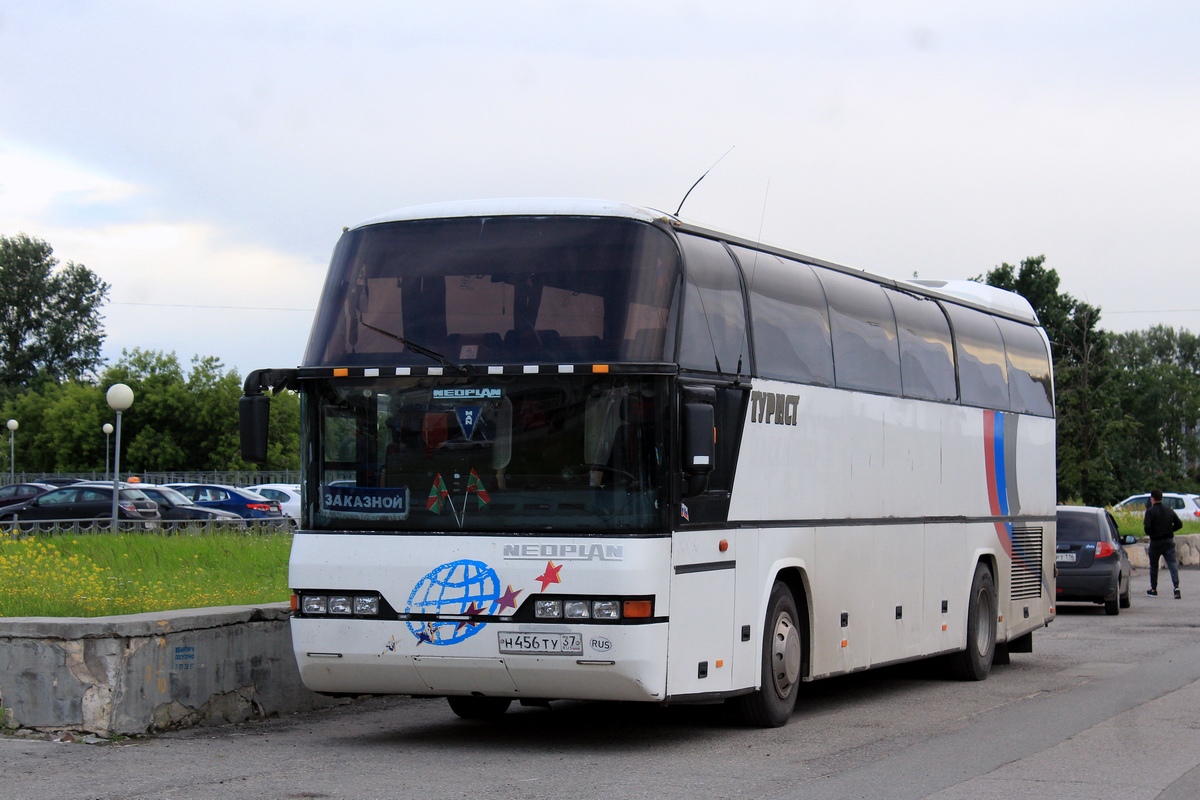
<point>226,477</point>
<point>90,526</point>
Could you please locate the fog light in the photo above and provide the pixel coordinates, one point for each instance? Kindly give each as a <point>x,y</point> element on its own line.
<point>576,609</point>
<point>313,604</point>
<point>366,606</point>
<point>606,609</point>
<point>339,604</point>
<point>547,609</point>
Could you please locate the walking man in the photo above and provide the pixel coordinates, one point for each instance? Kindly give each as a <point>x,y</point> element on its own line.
<point>1160,525</point>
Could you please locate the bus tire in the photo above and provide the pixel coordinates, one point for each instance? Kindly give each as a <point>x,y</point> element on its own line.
<point>772,705</point>
<point>974,663</point>
<point>478,707</point>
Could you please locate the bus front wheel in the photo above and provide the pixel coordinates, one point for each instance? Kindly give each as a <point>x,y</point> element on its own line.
<point>974,663</point>
<point>772,705</point>
<point>479,707</point>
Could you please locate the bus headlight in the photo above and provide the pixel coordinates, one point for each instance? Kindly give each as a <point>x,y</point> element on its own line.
<point>339,604</point>
<point>577,609</point>
<point>313,604</point>
<point>367,606</point>
<point>606,609</point>
<point>548,609</point>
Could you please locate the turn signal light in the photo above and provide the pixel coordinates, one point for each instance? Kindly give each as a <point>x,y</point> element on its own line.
<point>638,609</point>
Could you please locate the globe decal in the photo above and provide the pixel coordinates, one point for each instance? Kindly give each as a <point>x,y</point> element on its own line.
<point>459,588</point>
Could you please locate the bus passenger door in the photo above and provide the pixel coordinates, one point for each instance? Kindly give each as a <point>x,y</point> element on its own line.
<point>701,631</point>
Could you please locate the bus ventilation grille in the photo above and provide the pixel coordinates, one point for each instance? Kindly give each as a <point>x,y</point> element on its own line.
<point>1026,563</point>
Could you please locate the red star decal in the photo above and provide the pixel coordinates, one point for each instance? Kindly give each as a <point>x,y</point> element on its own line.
<point>508,599</point>
<point>550,575</point>
<point>472,611</point>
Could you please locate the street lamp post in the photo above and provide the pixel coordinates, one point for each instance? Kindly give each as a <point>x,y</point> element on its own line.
<point>108,429</point>
<point>120,397</point>
<point>12,449</point>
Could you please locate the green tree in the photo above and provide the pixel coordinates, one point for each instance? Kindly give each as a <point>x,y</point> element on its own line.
<point>1160,389</point>
<point>1088,418</point>
<point>50,322</point>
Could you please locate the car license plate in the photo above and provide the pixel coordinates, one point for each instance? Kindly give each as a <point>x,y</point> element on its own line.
<point>553,644</point>
<point>1068,558</point>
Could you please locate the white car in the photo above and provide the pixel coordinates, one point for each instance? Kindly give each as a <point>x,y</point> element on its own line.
<point>1185,506</point>
<point>286,494</point>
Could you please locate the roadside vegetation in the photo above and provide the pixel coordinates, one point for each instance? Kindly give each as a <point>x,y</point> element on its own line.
<point>102,574</point>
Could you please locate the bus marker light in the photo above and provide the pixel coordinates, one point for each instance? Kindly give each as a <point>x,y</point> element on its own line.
<point>637,609</point>
<point>724,545</point>
<point>845,642</point>
<point>341,372</point>
<point>720,663</point>
<point>295,602</point>
<point>945,627</point>
<point>599,368</point>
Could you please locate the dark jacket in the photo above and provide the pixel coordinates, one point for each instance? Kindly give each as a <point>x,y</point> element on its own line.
<point>1161,522</point>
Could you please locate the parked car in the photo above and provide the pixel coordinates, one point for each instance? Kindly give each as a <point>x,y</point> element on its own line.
<point>174,506</point>
<point>64,481</point>
<point>244,503</point>
<point>86,502</point>
<point>20,492</point>
<point>1091,559</point>
<point>1186,506</point>
<point>286,494</point>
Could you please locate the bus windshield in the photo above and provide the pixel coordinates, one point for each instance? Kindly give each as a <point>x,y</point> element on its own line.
<point>499,290</point>
<point>496,453</point>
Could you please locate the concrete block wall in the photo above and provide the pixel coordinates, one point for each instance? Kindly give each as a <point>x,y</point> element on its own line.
<point>150,672</point>
<point>1187,552</point>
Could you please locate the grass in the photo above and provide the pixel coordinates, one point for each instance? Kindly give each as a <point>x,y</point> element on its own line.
<point>1131,523</point>
<point>97,575</point>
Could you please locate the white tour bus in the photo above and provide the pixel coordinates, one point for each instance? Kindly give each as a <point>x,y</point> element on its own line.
<point>576,449</point>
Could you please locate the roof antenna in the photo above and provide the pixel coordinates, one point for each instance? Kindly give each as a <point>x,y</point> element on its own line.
<point>710,169</point>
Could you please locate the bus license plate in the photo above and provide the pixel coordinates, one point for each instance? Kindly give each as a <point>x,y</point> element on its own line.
<point>553,644</point>
<point>1065,557</point>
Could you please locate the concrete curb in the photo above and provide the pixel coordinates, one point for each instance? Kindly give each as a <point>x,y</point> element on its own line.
<point>143,673</point>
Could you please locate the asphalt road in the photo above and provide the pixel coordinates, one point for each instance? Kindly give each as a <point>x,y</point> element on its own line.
<point>1105,707</point>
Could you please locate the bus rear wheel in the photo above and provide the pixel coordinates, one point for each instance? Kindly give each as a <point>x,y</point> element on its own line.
<point>974,663</point>
<point>772,705</point>
<point>479,707</point>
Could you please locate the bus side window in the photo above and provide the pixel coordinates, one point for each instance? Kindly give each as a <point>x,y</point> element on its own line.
<point>866,355</point>
<point>926,348</point>
<point>982,370</point>
<point>1028,360</point>
<point>714,313</point>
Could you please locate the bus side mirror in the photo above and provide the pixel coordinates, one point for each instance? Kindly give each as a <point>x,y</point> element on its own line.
<point>699,446</point>
<point>254,415</point>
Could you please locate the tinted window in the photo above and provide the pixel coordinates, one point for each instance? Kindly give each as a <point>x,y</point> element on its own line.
<point>789,318</point>
<point>714,315</point>
<point>1029,383</point>
<point>93,495</point>
<point>982,367</point>
<point>1079,526</point>
<point>865,352</point>
<point>926,349</point>
<point>498,289</point>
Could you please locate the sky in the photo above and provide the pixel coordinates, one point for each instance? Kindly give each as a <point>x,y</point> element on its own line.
<point>203,157</point>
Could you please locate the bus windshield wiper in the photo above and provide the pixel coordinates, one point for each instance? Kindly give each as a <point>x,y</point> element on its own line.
<point>421,349</point>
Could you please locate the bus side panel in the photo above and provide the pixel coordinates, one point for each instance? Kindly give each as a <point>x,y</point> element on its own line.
<point>898,616</point>
<point>842,586</point>
<point>703,604</point>
<point>946,591</point>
